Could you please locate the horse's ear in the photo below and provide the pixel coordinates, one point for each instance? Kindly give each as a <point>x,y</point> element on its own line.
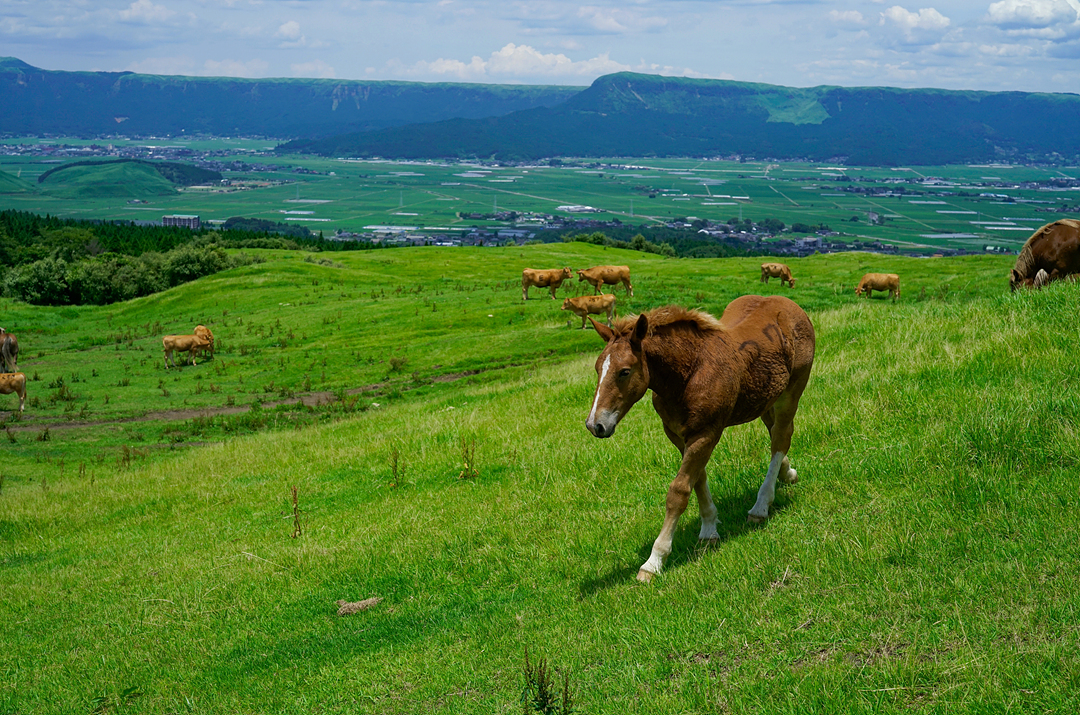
<point>641,329</point>
<point>603,331</point>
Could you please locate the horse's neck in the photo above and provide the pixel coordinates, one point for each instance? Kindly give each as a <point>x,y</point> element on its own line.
<point>673,358</point>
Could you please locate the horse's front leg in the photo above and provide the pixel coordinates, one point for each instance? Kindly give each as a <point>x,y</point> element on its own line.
<point>692,472</point>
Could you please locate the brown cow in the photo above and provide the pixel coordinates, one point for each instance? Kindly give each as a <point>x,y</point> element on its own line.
<point>596,304</point>
<point>598,276</point>
<point>879,281</point>
<point>9,350</point>
<point>204,332</point>
<point>182,344</point>
<point>543,278</point>
<point>14,382</point>
<point>1051,254</point>
<point>777,270</point>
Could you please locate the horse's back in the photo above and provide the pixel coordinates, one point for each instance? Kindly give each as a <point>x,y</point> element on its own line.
<point>749,316</point>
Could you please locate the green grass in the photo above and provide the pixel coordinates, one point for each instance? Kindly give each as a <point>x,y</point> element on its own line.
<point>924,562</point>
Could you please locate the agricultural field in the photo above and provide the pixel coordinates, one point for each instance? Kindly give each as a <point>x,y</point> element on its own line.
<point>399,429</point>
<point>967,207</point>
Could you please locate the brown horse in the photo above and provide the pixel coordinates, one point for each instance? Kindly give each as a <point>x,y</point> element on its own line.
<point>707,374</point>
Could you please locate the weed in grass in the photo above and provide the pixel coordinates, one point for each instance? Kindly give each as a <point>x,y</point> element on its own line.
<point>43,435</point>
<point>468,459</point>
<point>296,513</point>
<point>540,693</point>
<point>109,701</point>
<point>397,363</point>
<point>36,377</point>
<point>397,468</point>
<point>10,435</point>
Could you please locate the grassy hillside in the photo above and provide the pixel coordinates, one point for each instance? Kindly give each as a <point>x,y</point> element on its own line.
<point>925,561</point>
<point>14,185</point>
<point>109,179</point>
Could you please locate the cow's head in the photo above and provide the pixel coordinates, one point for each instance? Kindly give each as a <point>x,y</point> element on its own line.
<point>581,275</point>
<point>567,305</point>
<point>623,376</point>
<point>791,282</point>
<point>567,273</point>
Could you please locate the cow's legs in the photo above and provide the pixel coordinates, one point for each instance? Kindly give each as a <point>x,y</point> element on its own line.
<point>167,356</point>
<point>524,292</point>
<point>583,317</point>
<point>629,288</point>
<point>695,457</point>
<point>553,289</point>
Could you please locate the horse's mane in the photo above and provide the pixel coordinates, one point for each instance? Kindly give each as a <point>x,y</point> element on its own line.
<point>669,316</point>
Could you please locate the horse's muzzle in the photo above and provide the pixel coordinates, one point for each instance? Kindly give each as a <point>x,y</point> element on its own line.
<point>604,425</point>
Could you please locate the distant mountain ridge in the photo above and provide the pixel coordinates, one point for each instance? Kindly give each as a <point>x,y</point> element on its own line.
<point>93,104</point>
<point>628,114</point>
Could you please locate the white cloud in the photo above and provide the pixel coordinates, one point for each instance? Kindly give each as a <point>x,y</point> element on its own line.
<point>289,31</point>
<point>926,18</point>
<point>315,68</point>
<point>235,68</point>
<point>847,17</point>
<point>146,11</point>
<point>1020,14</point>
<point>609,20</point>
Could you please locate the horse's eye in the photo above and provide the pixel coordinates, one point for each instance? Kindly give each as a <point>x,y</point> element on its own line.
<point>625,372</point>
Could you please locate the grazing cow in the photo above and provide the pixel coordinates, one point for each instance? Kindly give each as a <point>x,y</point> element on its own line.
<point>1052,253</point>
<point>598,276</point>
<point>777,270</point>
<point>596,304</point>
<point>14,382</point>
<point>9,350</point>
<point>543,278</point>
<point>204,332</point>
<point>879,281</point>
<point>182,344</point>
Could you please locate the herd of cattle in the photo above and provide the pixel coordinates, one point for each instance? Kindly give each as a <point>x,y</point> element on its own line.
<point>1052,253</point>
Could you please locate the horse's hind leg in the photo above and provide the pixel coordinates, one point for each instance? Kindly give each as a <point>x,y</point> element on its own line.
<point>780,420</point>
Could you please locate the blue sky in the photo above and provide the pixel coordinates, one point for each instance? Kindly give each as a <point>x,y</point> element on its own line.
<point>1027,45</point>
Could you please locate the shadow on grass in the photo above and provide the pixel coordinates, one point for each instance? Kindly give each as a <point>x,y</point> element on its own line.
<point>731,523</point>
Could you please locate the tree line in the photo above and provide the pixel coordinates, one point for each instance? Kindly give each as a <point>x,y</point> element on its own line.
<point>45,260</point>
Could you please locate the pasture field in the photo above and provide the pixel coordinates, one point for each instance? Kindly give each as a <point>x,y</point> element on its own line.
<point>971,207</point>
<point>153,558</point>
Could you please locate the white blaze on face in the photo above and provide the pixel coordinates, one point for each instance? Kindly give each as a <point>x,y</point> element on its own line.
<point>603,374</point>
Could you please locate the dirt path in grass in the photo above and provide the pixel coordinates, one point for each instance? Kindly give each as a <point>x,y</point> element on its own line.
<point>308,399</point>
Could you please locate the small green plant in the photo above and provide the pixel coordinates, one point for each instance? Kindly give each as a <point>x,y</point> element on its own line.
<point>468,459</point>
<point>398,363</point>
<point>540,693</point>
<point>109,701</point>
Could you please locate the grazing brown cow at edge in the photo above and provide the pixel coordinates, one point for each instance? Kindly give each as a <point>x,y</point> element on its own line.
<point>14,382</point>
<point>879,281</point>
<point>596,304</point>
<point>1051,254</point>
<point>598,276</point>
<point>204,332</point>
<point>182,344</point>
<point>543,278</point>
<point>9,350</point>
<point>706,375</point>
<point>777,270</point>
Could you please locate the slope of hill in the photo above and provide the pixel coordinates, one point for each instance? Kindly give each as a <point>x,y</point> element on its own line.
<point>38,101</point>
<point>630,114</point>
<point>113,178</point>
<point>925,562</point>
<point>10,184</point>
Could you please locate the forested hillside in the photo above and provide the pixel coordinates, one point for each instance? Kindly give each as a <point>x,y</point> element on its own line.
<point>630,114</point>
<point>37,101</point>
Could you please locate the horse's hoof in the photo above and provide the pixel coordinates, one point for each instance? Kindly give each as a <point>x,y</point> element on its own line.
<point>755,519</point>
<point>791,477</point>
<point>645,576</point>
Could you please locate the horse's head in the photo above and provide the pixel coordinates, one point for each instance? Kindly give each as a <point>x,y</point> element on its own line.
<point>1018,280</point>
<point>623,376</point>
